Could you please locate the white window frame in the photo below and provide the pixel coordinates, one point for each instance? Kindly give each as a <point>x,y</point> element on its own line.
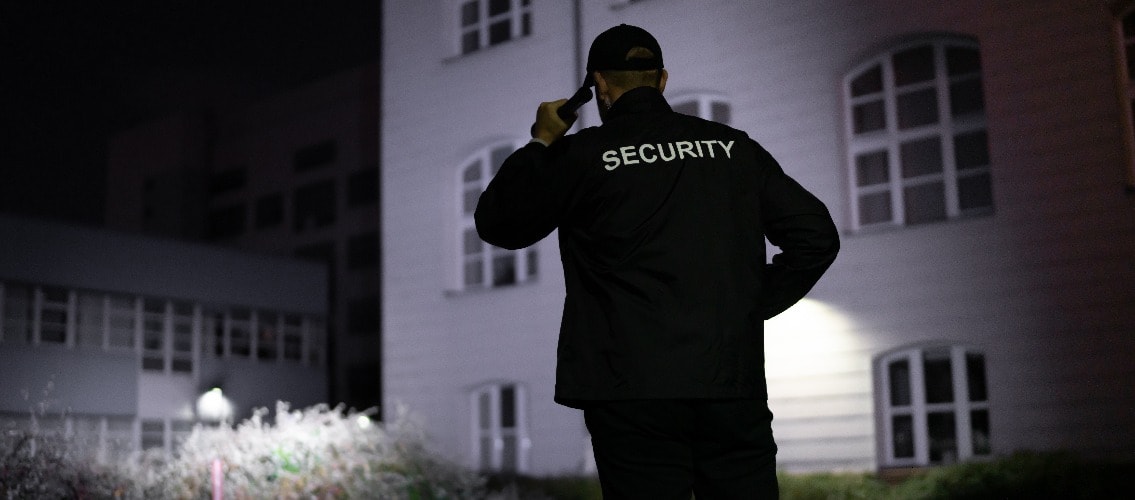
<point>495,432</point>
<point>704,105</point>
<point>890,138</point>
<point>518,12</point>
<point>919,409</point>
<point>524,261</point>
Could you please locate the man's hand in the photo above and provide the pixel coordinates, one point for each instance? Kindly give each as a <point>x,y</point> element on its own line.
<point>549,126</point>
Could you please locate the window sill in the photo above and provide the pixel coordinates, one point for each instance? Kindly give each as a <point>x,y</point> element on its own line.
<point>471,292</point>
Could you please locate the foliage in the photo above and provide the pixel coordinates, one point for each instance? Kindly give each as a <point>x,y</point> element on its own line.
<point>42,466</point>
<point>313,453</point>
<point>317,453</point>
<point>830,486</point>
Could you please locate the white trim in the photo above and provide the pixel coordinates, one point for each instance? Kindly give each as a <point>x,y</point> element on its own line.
<point>890,137</point>
<point>919,409</point>
<point>495,430</point>
<point>482,160</point>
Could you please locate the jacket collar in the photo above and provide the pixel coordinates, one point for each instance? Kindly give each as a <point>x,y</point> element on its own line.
<point>639,100</point>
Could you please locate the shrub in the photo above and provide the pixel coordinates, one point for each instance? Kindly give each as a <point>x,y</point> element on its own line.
<point>313,453</point>
<point>44,466</point>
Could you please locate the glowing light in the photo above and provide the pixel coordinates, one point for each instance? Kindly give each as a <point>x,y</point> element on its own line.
<point>213,405</point>
<point>363,421</point>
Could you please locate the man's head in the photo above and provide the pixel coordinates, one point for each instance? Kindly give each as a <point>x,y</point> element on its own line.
<point>623,58</point>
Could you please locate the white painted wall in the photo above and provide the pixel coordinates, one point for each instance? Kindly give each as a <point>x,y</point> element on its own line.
<point>1043,286</point>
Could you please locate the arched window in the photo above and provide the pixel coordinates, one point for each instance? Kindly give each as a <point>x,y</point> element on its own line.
<point>500,428</point>
<point>706,106</point>
<point>916,135</point>
<point>934,406</point>
<point>483,265</point>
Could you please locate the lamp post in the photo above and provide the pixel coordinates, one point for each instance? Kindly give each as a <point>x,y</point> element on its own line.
<point>214,406</point>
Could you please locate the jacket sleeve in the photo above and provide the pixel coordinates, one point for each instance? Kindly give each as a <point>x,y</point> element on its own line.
<point>799,224</point>
<point>523,202</point>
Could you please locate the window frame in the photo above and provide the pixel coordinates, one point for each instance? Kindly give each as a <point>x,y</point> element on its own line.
<point>525,261</point>
<point>704,106</point>
<point>890,138</point>
<point>518,15</point>
<point>495,429</point>
<point>919,409</point>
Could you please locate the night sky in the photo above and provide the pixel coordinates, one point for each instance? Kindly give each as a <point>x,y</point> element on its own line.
<point>74,72</point>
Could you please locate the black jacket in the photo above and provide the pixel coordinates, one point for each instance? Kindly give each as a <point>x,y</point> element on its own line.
<point>662,222</point>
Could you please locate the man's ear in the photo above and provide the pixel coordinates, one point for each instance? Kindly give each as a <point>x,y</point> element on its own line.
<point>601,87</point>
<point>662,81</point>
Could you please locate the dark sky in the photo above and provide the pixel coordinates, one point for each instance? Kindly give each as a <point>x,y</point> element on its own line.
<point>73,72</point>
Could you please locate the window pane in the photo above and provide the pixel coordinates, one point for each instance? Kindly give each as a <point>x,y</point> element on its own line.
<point>686,108</point>
<point>720,112</point>
<point>474,272</point>
<point>962,61</point>
<point>313,205</point>
<point>938,378</point>
<point>240,335</point>
<point>914,65</point>
<point>153,434</point>
<point>979,425</point>
<point>473,243</point>
<point>498,156</point>
<point>508,407</point>
<point>903,428</point>
<point>500,31</point>
<point>966,97</point>
<point>975,191</point>
<point>921,157</point>
<point>509,453</point>
<point>472,172</point>
<point>943,437</point>
<point>469,200</point>
<point>504,269</point>
<point>971,150</point>
<point>975,376</point>
<point>469,13</point>
<point>499,7</point>
<point>470,41</point>
<point>484,411</point>
<point>526,24</point>
<point>868,82</point>
<point>868,117</point>
<point>899,374</point>
<point>533,262</point>
<point>486,453</point>
<point>874,208</point>
<point>90,310</point>
<point>924,203</point>
<point>917,108</point>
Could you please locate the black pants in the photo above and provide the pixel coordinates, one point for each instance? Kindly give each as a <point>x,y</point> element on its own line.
<point>666,449</point>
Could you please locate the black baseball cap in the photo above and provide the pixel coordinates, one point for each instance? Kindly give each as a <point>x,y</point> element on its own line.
<point>610,48</point>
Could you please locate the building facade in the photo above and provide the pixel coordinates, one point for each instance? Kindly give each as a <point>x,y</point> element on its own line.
<point>111,339</point>
<point>295,174</point>
<point>976,156</point>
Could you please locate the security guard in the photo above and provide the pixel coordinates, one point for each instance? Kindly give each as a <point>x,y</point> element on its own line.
<point>662,222</point>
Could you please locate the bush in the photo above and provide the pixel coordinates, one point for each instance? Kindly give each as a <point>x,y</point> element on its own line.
<point>44,466</point>
<point>314,453</point>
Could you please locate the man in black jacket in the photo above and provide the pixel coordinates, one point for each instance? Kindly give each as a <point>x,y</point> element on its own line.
<point>662,222</point>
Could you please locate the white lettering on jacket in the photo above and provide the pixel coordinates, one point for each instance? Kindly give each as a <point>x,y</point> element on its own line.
<point>668,151</point>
